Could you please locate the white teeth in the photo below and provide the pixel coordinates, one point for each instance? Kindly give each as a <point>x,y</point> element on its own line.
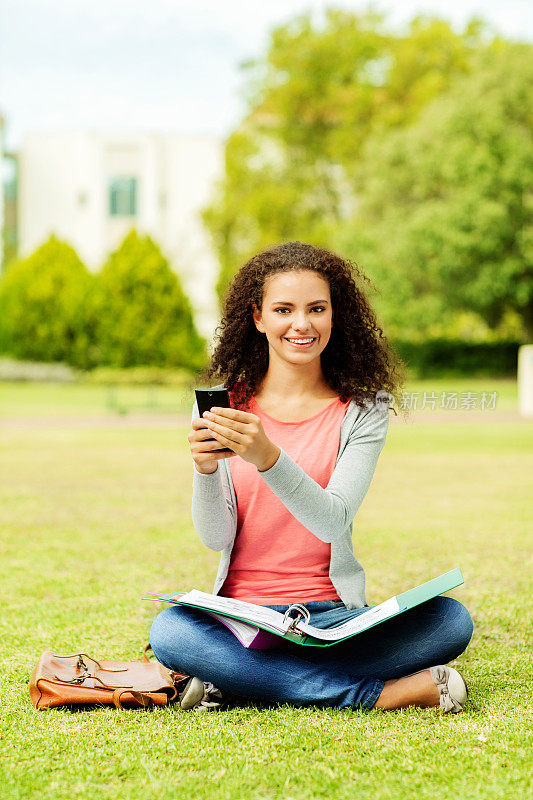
<point>301,341</point>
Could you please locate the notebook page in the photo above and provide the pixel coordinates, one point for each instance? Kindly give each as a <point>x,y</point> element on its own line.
<point>356,625</point>
<point>239,608</point>
<point>244,632</point>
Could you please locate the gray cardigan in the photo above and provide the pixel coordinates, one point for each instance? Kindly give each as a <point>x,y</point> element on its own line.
<point>327,512</point>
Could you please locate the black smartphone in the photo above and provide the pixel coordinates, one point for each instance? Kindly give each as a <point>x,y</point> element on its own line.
<point>206,399</point>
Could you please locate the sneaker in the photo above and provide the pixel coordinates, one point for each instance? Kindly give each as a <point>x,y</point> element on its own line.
<point>452,688</point>
<point>200,695</point>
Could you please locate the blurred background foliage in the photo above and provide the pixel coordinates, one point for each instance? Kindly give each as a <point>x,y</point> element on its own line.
<point>132,313</point>
<point>45,310</point>
<point>408,153</point>
<point>144,316</point>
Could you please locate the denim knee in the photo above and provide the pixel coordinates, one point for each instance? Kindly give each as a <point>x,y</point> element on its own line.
<point>159,634</point>
<point>460,624</point>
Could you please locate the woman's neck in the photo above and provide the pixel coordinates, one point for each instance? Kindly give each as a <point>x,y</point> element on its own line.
<point>294,393</point>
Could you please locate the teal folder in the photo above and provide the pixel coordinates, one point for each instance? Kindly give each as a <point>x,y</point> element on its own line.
<point>432,588</point>
<point>406,600</point>
<point>300,632</point>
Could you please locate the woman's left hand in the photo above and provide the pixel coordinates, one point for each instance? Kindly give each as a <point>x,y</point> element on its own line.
<point>243,433</point>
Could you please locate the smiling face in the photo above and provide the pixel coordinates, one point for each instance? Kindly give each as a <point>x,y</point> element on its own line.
<point>296,305</point>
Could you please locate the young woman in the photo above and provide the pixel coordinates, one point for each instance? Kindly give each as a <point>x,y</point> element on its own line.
<point>303,357</point>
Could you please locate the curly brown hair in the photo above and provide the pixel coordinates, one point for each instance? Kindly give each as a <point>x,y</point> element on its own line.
<point>357,362</point>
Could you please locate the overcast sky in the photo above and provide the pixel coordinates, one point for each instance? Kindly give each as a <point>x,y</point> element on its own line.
<point>154,65</point>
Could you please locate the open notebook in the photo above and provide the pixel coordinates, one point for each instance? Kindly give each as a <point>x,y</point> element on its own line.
<point>261,628</point>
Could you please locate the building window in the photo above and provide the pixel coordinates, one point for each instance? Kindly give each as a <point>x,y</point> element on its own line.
<point>123,197</point>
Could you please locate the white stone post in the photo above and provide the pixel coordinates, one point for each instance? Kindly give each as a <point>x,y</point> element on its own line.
<point>525,380</point>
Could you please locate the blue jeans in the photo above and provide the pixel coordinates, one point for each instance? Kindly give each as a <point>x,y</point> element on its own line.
<point>350,674</point>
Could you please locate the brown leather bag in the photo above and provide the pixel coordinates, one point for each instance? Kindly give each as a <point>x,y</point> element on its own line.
<point>80,679</point>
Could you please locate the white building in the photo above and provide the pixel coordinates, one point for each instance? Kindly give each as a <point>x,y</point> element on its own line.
<point>90,189</point>
<point>1,188</point>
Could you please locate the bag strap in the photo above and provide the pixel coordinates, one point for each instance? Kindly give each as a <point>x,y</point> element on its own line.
<point>82,678</point>
<point>145,652</point>
<point>143,699</point>
<point>82,665</point>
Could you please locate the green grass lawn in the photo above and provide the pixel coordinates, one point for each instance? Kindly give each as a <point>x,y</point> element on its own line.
<point>75,399</point>
<point>91,400</point>
<point>93,516</point>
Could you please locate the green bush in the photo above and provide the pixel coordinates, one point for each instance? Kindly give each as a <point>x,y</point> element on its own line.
<point>441,357</point>
<point>144,316</point>
<point>44,313</point>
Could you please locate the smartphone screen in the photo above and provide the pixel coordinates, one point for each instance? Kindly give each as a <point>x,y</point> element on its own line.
<point>206,399</point>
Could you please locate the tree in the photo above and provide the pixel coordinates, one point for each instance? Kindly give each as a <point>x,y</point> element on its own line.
<point>313,101</point>
<point>144,317</point>
<point>446,206</point>
<point>44,314</point>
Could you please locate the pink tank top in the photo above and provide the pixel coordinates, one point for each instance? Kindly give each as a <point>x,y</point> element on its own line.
<point>275,559</point>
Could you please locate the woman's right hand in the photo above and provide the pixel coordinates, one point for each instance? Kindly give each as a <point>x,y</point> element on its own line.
<point>204,447</point>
